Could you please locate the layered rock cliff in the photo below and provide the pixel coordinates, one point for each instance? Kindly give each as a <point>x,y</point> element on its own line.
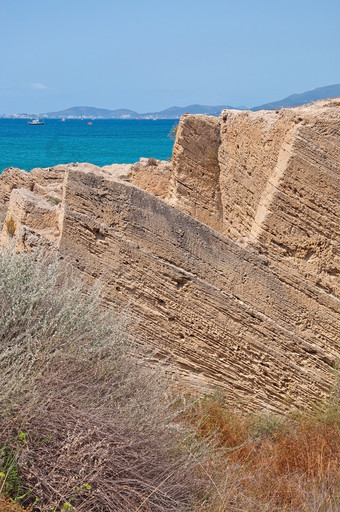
<point>229,259</point>
<point>272,184</point>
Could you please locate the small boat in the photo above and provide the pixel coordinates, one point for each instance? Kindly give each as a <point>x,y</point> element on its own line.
<point>63,120</point>
<point>36,122</point>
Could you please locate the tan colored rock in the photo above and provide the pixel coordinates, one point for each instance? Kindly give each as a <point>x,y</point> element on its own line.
<point>151,175</point>
<point>244,296</point>
<point>28,212</point>
<point>195,186</point>
<point>12,178</point>
<point>294,214</point>
<point>228,319</point>
<point>277,189</point>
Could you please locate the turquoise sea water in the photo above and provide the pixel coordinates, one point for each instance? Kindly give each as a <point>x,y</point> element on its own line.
<point>102,143</point>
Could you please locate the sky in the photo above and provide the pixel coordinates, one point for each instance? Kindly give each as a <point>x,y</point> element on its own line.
<point>148,55</point>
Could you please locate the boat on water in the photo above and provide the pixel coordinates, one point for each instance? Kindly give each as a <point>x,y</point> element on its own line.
<point>36,122</point>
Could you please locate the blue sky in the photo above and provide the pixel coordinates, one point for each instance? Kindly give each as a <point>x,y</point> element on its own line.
<point>148,55</point>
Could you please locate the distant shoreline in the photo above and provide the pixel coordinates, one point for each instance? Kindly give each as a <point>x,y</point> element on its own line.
<point>88,118</point>
<point>85,112</point>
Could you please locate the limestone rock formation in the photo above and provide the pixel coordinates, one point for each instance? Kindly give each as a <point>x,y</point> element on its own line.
<point>276,185</point>
<point>228,258</point>
<point>151,175</point>
<point>195,185</point>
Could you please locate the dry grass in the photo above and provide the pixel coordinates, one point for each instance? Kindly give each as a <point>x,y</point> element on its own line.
<point>8,505</point>
<point>270,464</point>
<point>87,422</point>
<point>10,226</point>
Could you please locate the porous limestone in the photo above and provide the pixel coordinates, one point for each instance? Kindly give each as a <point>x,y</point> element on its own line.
<point>227,257</point>
<point>276,187</point>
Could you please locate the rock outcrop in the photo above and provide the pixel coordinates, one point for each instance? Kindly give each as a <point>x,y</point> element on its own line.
<point>229,258</point>
<point>275,185</point>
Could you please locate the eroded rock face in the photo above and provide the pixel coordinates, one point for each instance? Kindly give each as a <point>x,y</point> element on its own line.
<point>195,185</point>
<point>151,175</point>
<point>277,189</point>
<point>206,261</point>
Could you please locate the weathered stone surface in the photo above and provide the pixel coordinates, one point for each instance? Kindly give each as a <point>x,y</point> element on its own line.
<point>227,317</point>
<point>244,295</point>
<point>293,213</point>
<point>39,214</point>
<point>151,175</point>
<point>277,188</point>
<point>195,186</point>
<point>10,179</point>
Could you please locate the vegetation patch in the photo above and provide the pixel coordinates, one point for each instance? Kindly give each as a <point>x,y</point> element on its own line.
<point>87,422</point>
<point>267,463</point>
<point>10,226</point>
<point>152,162</point>
<point>9,505</point>
<point>173,132</point>
<point>54,200</point>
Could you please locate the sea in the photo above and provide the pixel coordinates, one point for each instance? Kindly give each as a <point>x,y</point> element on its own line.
<point>100,142</point>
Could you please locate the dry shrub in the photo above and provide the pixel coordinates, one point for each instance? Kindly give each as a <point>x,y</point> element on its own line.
<point>211,420</point>
<point>270,464</point>
<point>88,421</point>
<point>310,448</point>
<point>10,226</point>
<point>8,505</point>
<point>152,162</point>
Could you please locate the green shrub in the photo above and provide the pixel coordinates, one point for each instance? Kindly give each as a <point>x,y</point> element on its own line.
<point>54,200</point>
<point>9,473</point>
<point>173,132</point>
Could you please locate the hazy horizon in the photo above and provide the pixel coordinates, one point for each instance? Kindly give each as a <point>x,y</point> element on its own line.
<point>151,55</point>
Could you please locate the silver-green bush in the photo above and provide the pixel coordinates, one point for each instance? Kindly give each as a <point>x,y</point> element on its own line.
<point>88,420</point>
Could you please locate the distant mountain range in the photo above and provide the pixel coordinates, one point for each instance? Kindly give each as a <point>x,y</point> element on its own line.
<point>91,112</point>
<point>101,113</point>
<point>330,91</point>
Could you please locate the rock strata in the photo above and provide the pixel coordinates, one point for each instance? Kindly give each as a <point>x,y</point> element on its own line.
<point>276,187</point>
<point>228,257</point>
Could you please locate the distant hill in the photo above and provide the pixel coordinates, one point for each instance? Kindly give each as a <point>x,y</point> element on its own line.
<point>91,112</point>
<point>321,93</point>
<point>329,91</point>
<point>102,113</point>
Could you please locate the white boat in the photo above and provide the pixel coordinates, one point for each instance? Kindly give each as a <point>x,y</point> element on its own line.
<point>36,122</point>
